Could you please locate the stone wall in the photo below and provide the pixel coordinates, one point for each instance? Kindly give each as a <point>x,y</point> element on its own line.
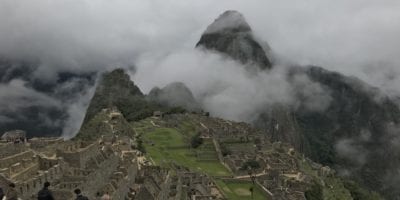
<point>36,143</point>
<point>77,156</point>
<point>47,163</point>
<point>91,167</point>
<point>9,149</point>
<point>126,182</point>
<point>95,181</point>
<point>63,194</point>
<point>8,161</point>
<point>29,186</point>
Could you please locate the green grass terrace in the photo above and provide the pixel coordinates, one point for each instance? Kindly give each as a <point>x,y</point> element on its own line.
<point>240,190</point>
<point>166,145</point>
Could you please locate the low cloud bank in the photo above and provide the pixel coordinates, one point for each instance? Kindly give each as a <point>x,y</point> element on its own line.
<point>157,37</point>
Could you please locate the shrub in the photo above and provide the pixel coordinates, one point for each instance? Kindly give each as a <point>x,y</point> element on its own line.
<point>225,151</point>
<point>196,141</point>
<point>252,164</point>
<point>314,193</point>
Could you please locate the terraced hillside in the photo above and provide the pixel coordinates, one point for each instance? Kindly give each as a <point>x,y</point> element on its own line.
<point>243,167</point>
<point>167,145</point>
<point>233,156</point>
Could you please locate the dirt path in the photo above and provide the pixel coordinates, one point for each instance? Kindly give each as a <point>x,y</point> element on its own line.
<point>154,124</point>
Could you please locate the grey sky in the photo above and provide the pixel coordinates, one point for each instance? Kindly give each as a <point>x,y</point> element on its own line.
<point>358,37</point>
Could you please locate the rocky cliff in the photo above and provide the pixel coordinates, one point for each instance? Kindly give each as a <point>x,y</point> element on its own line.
<point>232,36</point>
<point>115,89</point>
<point>351,128</point>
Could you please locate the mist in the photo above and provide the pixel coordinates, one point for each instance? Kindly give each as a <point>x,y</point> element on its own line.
<point>157,39</point>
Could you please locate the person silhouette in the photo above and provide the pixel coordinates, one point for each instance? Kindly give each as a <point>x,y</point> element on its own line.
<point>79,195</point>
<point>45,193</point>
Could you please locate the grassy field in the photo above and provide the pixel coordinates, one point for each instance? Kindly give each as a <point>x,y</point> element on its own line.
<point>166,145</point>
<point>240,191</point>
<point>207,151</point>
<point>335,190</point>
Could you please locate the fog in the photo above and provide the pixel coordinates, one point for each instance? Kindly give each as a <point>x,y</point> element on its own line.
<point>157,37</point>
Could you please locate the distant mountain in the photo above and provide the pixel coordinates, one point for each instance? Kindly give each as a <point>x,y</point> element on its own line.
<point>115,89</point>
<point>354,133</point>
<point>117,101</point>
<point>351,127</point>
<point>175,94</point>
<point>232,36</point>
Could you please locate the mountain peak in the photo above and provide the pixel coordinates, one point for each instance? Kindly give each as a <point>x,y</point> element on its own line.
<point>175,94</point>
<point>230,20</point>
<point>114,88</point>
<point>231,35</point>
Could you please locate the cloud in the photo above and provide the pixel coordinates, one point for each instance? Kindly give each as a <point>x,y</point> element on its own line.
<point>5,119</point>
<point>223,86</point>
<point>75,110</point>
<point>308,94</point>
<point>15,96</point>
<point>357,37</point>
<point>351,150</point>
<point>90,35</point>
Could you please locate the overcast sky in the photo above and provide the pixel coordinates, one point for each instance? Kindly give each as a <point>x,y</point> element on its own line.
<point>85,35</point>
<point>357,37</point>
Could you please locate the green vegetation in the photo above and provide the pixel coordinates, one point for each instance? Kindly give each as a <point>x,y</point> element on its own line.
<point>335,189</point>
<point>187,127</point>
<point>224,150</point>
<point>306,168</point>
<point>250,164</point>
<point>240,190</point>
<point>140,146</point>
<point>175,110</point>
<point>196,141</point>
<point>100,124</point>
<point>116,89</point>
<point>315,192</point>
<point>166,145</point>
<point>359,193</point>
<point>207,152</point>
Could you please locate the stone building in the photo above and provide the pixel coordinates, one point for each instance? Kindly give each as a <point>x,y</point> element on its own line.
<point>89,166</point>
<point>177,184</point>
<point>14,136</point>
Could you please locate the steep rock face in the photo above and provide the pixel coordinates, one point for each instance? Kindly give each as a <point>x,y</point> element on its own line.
<point>116,95</point>
<point>281,124</point>
<point>353,133</point>
<point>116,89</point>
<point>353,128</point>
<point>232,36</point>
<point>174,95</point>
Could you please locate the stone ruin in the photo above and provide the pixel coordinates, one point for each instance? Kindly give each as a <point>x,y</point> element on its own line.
<point>177,184</point>
<point>68,165</point>
<point>113,165</point>
<point>104,166</point>
<point>15,136</point>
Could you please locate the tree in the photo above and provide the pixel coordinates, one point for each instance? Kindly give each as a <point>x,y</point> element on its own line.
<point>225,151</point>
<point>252,164</point>
<point>140,145</point>
<point>359,193</point>
<point>314,193</point>
<point>196,141</point>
